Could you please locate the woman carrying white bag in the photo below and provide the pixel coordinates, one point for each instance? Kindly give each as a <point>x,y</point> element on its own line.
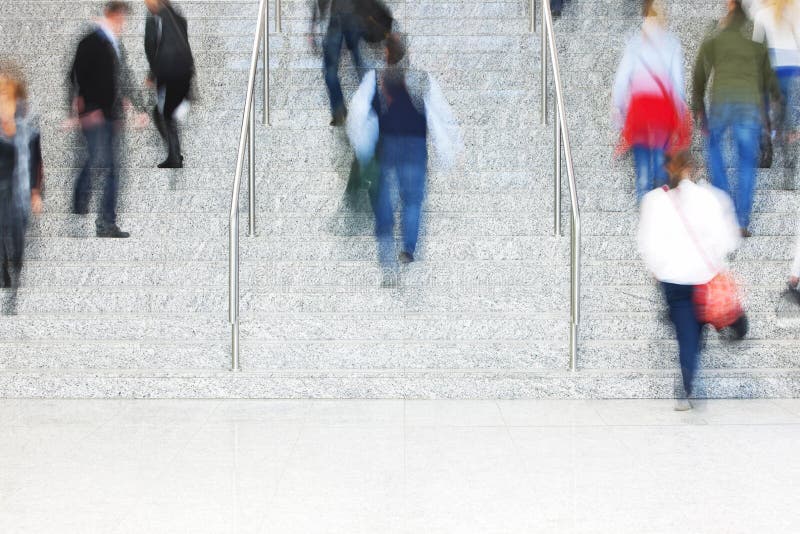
<point>389,119</point>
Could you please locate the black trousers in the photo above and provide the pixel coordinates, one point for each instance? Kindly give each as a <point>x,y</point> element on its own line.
<point>174,92</point>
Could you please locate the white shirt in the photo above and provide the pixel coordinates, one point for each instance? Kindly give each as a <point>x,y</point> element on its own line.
<point>669,250</point>
<point>781,35</point>
<point>109,34</point>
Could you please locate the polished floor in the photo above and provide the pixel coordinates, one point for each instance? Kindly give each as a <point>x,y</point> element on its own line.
<point>147,466</point>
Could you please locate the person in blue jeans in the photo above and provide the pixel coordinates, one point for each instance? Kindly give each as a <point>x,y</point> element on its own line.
<point>744,123</point>
<point>403,156</point>
<point>343,27</point>
<point>743,81</point>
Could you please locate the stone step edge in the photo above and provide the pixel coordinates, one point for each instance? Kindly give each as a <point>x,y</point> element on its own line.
<point>740,383</point>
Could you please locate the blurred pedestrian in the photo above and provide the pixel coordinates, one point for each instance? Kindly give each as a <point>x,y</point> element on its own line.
<point>402,107</point>
<point>649,100</point>
<point>21,176</point>
<point>778,24</point>
<point>166,44</point>
<point>742,81</point>
<point>685,232</point>
<point>101,89</point>
<point>556,6</point>
<point>350,21</point>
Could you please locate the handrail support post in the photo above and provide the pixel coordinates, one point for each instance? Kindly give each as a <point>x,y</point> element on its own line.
<point>557,173</point>
<point>251,172</point>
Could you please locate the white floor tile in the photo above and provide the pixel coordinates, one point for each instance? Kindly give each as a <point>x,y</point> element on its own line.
<point>467,413</point>
<point>276,467</point>
<point>549,413</point>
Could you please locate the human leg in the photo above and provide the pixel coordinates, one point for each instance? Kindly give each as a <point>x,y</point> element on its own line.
<point>83,184</point>
<point>642,160</point>
<point>107,221</point>
<point>746,135</point>
<point>384,208</point>
<point>176,92</point>
<point>715,160</point>
<point>332,49</point>
<point>411,178</point>
<point>687,330</point>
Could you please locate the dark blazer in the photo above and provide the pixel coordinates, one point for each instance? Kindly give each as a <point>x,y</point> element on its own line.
<point>101,77</point>
<point>166,45</point>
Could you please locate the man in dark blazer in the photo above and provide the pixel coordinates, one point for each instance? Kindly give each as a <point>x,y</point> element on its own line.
<point>166,44</point>
<point>101,89</point>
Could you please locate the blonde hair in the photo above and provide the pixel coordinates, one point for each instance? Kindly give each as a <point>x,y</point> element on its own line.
<point>779,8</point>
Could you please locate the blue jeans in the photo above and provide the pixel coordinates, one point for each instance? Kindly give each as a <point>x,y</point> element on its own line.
<point>557,5</point>
<point>650,172</point>
<point>744,122</point>
<point>688,329</point>
<point>342,27</point>
<point>789,82</point>
<point>100,146</point>
<point>405,158</point>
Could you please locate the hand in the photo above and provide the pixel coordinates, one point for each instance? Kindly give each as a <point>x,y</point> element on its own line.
<point>149,83</point>
<point>36,202</point>
<point>92,119</point>
<point>794,280</point>
<point>140,120</point>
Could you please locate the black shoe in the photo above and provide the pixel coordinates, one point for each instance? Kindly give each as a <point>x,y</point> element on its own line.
<point>111,231</point>
<point>405,257</point>
<point>745,232</point>
<point>80,209</point>
<point>171,164</point>
<point>740,328</point>
<point>556,14</point>
<point>339,117</point>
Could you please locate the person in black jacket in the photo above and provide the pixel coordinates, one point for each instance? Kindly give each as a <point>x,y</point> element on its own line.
<point>344,25</point>
<point>99,78</point>
<point>166,43</point>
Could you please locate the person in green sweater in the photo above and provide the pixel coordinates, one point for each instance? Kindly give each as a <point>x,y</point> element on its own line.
<point>743,81</point>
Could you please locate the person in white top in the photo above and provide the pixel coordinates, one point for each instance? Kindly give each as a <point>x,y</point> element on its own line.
<point>778,23</point>
<point>685,234</point>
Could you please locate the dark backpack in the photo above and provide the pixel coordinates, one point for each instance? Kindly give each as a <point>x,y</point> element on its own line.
<point>173,54</point>
<point>375,18</point>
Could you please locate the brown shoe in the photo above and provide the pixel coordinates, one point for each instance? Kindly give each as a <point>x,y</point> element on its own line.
<point>745,232</point>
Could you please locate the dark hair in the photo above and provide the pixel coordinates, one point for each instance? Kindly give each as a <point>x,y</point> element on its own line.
<point>116,7</point>
<point>648,8</point>
<point>14,74</point>
<point>395,49</point>
<point>677,165</point>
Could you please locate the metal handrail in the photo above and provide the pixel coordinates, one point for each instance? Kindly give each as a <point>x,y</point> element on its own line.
<point>246,147</point>
<point>561,134</point>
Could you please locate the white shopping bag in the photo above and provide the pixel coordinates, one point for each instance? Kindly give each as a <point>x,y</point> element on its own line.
<point>442,125</point>
<point>362,121</point>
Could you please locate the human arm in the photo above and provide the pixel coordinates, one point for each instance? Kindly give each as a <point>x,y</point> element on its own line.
<point>676,74</point>
<point>151,43</point>
<point>620,92</point>
<point>700,75</point>
<point>37,173</point>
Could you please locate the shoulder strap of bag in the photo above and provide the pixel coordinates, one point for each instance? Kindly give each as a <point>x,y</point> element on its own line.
<point>691,233</point>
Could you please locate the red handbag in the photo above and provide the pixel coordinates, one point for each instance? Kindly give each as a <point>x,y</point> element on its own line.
<point>717,301</point>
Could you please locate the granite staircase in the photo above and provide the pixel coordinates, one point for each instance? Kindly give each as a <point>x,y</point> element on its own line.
<point>484,310</point>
